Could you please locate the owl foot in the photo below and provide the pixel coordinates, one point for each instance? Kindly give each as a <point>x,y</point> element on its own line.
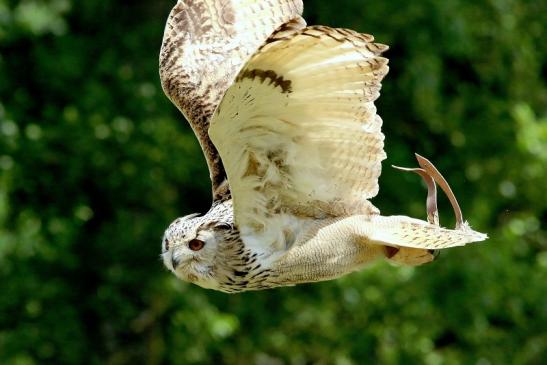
<point>431,175</point>
<point>409,256</point>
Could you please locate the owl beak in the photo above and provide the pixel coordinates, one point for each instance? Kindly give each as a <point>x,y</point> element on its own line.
<point>174,263</point>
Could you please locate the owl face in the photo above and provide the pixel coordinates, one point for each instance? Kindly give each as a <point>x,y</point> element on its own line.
<point>188,249</point>
<point>190,246</point>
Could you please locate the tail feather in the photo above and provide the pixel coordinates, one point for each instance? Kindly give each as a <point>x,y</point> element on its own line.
<point>409,232</point>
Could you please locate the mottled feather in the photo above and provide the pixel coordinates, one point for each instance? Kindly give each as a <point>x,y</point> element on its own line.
<point>298,131</point>
<point>205,44</point>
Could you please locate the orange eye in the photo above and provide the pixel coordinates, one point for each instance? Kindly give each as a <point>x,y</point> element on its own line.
<point>196,245</point>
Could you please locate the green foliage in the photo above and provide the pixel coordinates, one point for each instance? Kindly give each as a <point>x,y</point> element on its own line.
<point>95,162</point>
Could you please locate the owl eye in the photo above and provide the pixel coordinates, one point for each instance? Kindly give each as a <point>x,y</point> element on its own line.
<point>196,245</point>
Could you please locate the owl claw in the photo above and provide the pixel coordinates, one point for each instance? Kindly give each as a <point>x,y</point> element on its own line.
<point>391,251</point>
<point>431,175</point>
<point>409,256</point>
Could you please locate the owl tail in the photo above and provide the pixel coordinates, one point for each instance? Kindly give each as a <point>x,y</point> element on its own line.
<point>404,231</point>
<point>410,232</point>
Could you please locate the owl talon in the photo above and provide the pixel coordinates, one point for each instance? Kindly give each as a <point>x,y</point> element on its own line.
<point>409,256</point>
<point>391,251</point>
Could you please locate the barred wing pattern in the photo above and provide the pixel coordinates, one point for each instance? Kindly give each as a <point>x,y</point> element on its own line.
<point>205,45</point>
<point>299,129</point>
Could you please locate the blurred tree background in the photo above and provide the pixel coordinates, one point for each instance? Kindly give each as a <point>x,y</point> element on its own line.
<point>95,162</point>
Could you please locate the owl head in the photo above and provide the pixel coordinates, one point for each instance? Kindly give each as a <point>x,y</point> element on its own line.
<point>190,246</point>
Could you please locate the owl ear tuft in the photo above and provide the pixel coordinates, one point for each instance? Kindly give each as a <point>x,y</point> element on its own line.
<point>190,216</point>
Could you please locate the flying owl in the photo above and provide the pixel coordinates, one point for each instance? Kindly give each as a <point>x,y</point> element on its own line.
<point>285,115</point>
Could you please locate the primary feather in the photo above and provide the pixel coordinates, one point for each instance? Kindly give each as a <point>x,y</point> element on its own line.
<point>298,131</point>
<point>205,44</point>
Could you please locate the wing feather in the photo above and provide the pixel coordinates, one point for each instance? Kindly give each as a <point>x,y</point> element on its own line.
<point>205,44</point>
<point>298,130</point>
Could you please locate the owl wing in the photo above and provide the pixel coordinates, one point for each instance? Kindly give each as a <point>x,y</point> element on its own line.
<point>298,130</point>
<point>205,44</point>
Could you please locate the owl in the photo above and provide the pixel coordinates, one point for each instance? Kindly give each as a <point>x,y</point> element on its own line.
<point>285,115</point>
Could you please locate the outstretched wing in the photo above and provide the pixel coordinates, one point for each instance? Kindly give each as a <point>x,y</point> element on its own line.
<point>205,44</point>
<point>299,128</point>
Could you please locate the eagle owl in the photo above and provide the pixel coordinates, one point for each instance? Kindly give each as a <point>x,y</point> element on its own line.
<point>285,115</point>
